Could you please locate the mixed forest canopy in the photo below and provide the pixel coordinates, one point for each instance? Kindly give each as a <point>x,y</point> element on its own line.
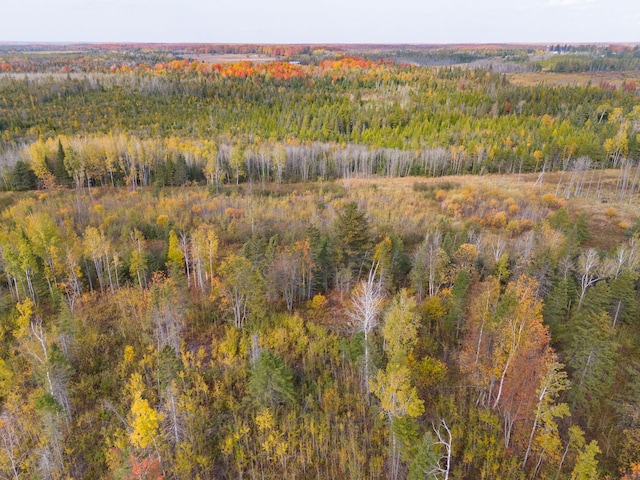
<point>282,121</point>
<point>330,262</point>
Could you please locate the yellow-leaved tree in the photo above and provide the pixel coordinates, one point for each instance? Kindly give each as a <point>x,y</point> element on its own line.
<point>145,420</point>
<point>144,424</point>
<point>393,388</point>
<point>398,399</point>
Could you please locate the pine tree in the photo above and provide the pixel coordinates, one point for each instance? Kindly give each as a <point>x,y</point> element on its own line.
<point>352,238</point>
<point>62,176</point>
<point>556,307</point>
<point>624,304</point>
<point>22,177</point>
<point>181,171</point>
<point>591,356</point>
<point>170,172</point>
<point>270,381</point>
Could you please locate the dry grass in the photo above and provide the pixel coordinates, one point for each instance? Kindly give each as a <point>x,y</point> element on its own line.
<point>580,79</point>
<point>607,230</point>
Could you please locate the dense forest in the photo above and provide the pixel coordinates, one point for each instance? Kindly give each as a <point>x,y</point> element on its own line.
<point>287,122</point>
<point>349,268</point>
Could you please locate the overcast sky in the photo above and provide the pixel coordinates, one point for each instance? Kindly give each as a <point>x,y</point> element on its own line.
<point>325,21</point>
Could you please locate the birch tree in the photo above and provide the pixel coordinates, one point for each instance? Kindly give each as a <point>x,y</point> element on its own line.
<point>366,304</point>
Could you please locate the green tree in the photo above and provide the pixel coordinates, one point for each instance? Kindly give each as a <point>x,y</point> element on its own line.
<point>352,239</point>
<point>591,356</point>
<point>23,178</point>
<point>429,266</point>
<point>270,381</point>
<point>62,176</point>
<point>170,172</point>
<point>427,461</point>
<point>556,306</point>
<point>181,171</point>
<point>459,295</point>
<point>624,304</point>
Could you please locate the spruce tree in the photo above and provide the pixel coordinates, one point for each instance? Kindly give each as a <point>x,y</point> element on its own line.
<point>624,304</point>
<point>181,172</point>
<point>353,240</point>
<point>62,176</point>
<point>23,178</point>
<point>270,381</point>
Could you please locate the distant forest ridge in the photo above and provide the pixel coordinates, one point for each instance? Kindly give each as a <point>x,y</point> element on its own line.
<point>554,57</point>
<point>284,121</point>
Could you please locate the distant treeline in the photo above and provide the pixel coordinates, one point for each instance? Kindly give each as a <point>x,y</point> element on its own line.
<point>483,122</point>
<point>572,59</point>
<point>125,160</point>
<point>120,160</point>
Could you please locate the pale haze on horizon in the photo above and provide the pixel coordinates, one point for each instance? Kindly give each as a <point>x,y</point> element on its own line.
<point>329,21</point>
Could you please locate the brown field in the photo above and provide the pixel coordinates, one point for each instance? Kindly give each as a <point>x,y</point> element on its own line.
<point>580,78</point>
<point>608,218</point>
<point>215,58</point>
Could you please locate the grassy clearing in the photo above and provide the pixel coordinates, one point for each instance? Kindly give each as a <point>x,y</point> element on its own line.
<point>579,79</point>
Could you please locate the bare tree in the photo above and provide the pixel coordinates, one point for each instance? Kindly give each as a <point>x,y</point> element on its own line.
<point>429,261</point>
<point>590,271</point>
<point>446,443</point>
<point>366,305</point>
<point>167,317</point>
<point>12,443</point>
<point>184,244</point>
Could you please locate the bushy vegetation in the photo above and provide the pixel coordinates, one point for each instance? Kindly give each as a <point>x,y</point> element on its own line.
<point>306,331</point>
<point>221,274</point>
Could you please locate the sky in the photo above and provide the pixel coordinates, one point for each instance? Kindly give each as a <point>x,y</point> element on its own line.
<point>326,21</point>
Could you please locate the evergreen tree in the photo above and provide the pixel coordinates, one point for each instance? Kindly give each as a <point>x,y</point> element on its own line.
<point>353,239</point>
<point>181,171</point>
<point>22,177</point>
<point>459,295</point>
<point>426,462</point>
<point>161,176</point>
<point>591,356</point>
<point>170,172</point>
<point>624,304</point>
<point>556,307</point>
<point>62,176</point>
<point>270,381</point>
<point>320,256</point>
